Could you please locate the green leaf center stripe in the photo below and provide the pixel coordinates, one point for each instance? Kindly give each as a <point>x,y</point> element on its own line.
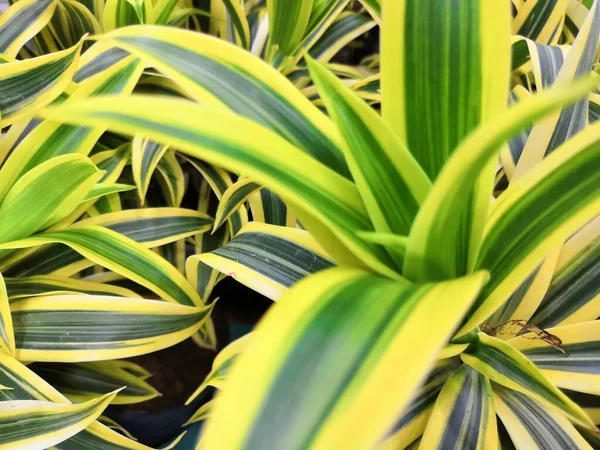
<point>16,90</point>
<point>53,257</point>
<point>575,118</point>
<point>536,21</point>
<point>20,21</point>
<point>571,289</point>
<point>551,60</point>
<point>42,330</point>
<point>259,102</point>
<point>548,202</point>
<point>14,431</point>
<point>468,407</point>
<point>442,79</point>
<point>161,227</point>
<point>425,398</point>
<point>339,336</point>
<point>275,211</point>
<point>100,63</point>
<point>538,423</point>
<point>520,54</point>
<point>65,375</point>
<point>102,244</point>
<point>44,261</point>
<point>252,249</point>
<point>584,357</point>
<point>22,287</point>
<point>504,364</point>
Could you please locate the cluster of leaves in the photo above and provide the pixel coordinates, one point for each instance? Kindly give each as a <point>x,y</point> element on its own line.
<point>99,229</point>
<point>446,292</point>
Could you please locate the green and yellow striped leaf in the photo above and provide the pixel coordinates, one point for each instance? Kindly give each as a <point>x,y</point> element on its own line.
<point>96,60</point>
<point>122,255</point>
<point>114,425</point>
<point>46,195</point>
<point>50,139</point>
<point>533,426</point>
<point>171,179</point>
<point>288,21</point>
<point>37,425</point>
<point>524,301</point>
<point>22,287</point>
<point>505,365</point>
<point>215,72</point>
<point>150,227</point>
<point>122,13</point>
<point>26,385</point>
<point>269,259</point>
<point>374,8</point>
<point>22,21</point>
<point>219,181</point>
<point>268,207</point>
<point>431,253</point>
<point>80,382</point>
<point>344,30</point>
<point>550,133</point>
<point>234,197</point>
<point>467,42</point>
<point>71,22</point>
<point>236,16</point>
<point>413,420</point>
<point>107,189</point>
<point>133,368</point>
<point>463,415</point>
<point>323,15</point>
<point>221,366</point>
<point>576,369</point>
<point>28,85</point>
<point>79,328</point>
<point>390,181</point>
<point>326,203</point>
<point>163,10</point>
<point>573,295</point>
<point>145,156</point>
<point>540,20</point>
<point>7,336</point>
<point>554,199</point>
<point>324,360</point>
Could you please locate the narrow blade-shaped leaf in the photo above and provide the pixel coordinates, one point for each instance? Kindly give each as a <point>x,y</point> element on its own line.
<point>80,382</point>
<point>463,415</point>
<point>505,365</point>
<point>437,247</point>
<point>78,328</point>
<point>390,181</point>
<point>284,381</point>
<point>21,22</point>
<point>33,83</point>
<point>531,425</point>
<point>269,259</point>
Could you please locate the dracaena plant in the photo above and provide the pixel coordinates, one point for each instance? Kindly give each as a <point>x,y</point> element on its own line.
<point>60,214</point>
<point>410,336</point>
<point>162,178</point>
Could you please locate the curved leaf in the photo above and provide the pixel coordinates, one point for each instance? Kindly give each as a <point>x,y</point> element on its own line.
<point>268,259</point>
<point>284,381</point>
<point>78,328</point>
